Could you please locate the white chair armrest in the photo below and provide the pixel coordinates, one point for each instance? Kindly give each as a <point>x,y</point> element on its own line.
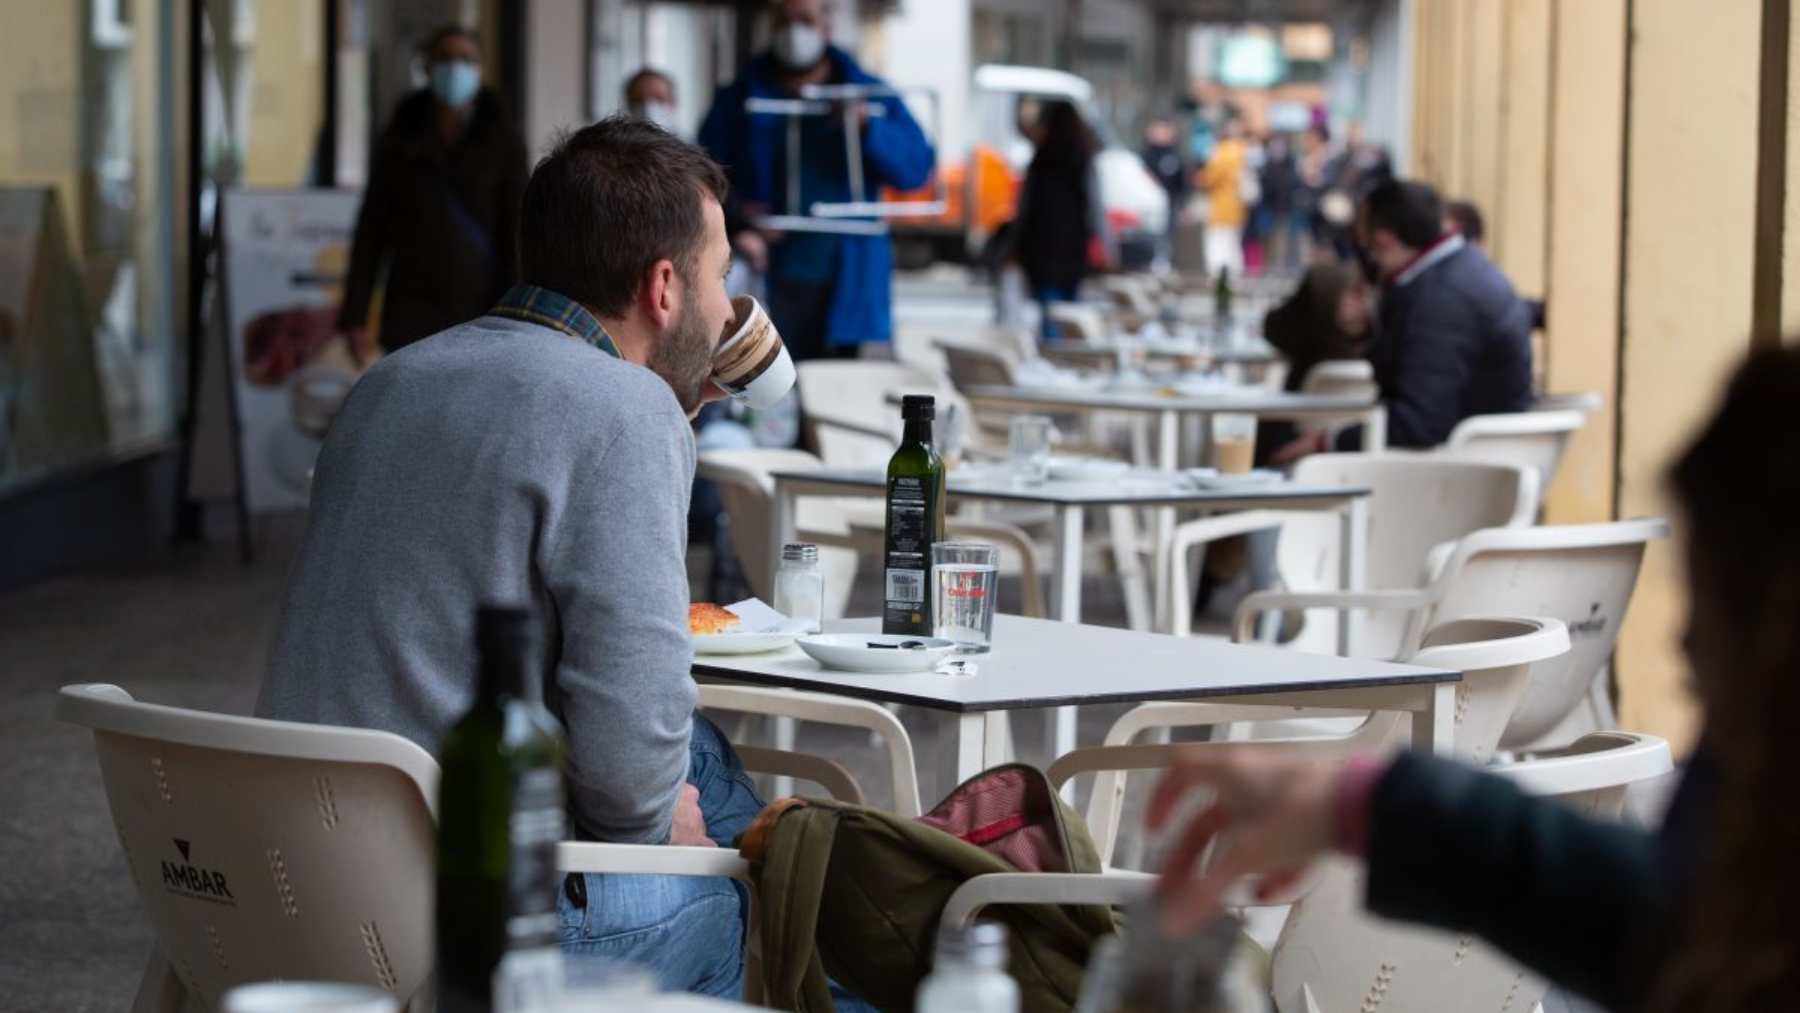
<point>651,859</point>
<point>1111,888</point>
<point>837,781</point>
<point>1199,532</point>
<point>1268,601</point>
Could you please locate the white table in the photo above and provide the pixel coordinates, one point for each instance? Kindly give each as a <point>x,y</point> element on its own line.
<point>1256,353</point>
<point>1039,663</point>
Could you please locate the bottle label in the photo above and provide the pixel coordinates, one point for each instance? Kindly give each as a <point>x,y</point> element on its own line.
<point>910,512</point>
<point>537,825</point>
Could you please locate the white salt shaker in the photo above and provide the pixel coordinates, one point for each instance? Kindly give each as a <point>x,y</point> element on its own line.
<point>799,586</point>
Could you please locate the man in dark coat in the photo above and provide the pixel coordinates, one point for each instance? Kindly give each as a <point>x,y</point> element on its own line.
<point>1454,339</point>
<point>441,212</point>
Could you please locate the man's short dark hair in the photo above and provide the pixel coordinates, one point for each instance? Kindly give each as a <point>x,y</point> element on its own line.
<point>646,74</point>
<point>1411,211</point>
<point>1467,219</point>
<point>449,31</point>
<point>607,203</point>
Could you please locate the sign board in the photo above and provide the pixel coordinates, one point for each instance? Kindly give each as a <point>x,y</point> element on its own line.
<point>285,256</point>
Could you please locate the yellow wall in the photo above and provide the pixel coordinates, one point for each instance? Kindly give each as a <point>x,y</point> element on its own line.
<point>1517,222</point>
<point>286,94</point>
<point>1584,216</point>
<point>1690,245</point>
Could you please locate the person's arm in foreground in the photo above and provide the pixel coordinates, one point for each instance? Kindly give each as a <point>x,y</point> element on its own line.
<point>617,573</point>
<point>1445,845</point>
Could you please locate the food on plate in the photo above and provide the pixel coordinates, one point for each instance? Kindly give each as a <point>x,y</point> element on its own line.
<point>705,617</point>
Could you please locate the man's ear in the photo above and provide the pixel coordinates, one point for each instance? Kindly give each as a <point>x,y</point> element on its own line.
<point>660,296</point>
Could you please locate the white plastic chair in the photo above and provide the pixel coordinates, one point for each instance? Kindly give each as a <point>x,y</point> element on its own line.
<point>1080,322</point>
<point>269,850</point>
<point>846,409</point>
<point>975,365</point>
<point>1333,957</point>
<point>1529,439</point>
<point>1341,376</point>
<point>1415,504</point>
<point>1583,574</point>
<point>1495,655</point>
<point>1587,402</point>
<point>747,488</point>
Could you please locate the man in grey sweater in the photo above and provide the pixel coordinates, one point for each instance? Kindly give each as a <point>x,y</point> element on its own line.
<point>543,453</point>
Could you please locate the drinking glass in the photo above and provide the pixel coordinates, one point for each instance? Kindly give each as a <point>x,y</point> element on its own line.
<point>965,577</point>
<point>1028,448</point>
<point>1233,443</point>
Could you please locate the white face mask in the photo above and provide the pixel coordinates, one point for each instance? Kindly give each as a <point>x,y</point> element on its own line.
<point>660,113</point>
<point>455,82</point>
<point>799,46</point>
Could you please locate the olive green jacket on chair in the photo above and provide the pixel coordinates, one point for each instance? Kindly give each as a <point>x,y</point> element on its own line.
<point>856,893</point>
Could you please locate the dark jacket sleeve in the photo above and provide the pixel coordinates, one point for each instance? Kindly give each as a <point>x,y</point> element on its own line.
<point>1428,370</point>
<point>372,239</point>
<point>1567,896</point>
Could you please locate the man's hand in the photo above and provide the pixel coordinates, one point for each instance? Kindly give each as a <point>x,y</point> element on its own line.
<point>689,829</point>
<point>754,248</point>
<point>1316,442</point>
<point>1275,807</point>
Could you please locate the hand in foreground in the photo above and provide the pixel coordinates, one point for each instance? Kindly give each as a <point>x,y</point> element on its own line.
<point>689,829</point>
<point>1276,810</point>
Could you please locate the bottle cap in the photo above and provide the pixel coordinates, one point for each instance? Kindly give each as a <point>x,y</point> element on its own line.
<point>804,552</point>
<point>918,407</point>
<point>982,944</point>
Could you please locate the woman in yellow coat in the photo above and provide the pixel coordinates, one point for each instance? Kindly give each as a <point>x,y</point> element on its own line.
<point>1223,181</point>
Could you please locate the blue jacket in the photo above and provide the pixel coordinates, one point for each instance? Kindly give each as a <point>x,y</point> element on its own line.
<point>895,153</point>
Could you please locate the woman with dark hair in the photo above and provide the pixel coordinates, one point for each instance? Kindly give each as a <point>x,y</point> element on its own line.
<point>441,212</point>
<point>1696,917</point>
<point>1325,319</point>
<point>1060,215</point>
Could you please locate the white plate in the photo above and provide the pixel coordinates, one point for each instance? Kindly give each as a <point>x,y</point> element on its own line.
<point>740,643</point>
<point>1238,480</point>
<point>1086,469</point>
<point>850,652</point>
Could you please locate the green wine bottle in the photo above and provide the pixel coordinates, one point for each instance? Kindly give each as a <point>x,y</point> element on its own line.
<point>915,521</point>
<point>500,814</point>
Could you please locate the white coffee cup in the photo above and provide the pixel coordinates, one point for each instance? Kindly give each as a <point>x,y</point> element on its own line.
<point>752,364</point>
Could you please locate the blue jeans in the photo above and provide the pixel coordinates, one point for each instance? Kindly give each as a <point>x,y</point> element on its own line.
<point>1047,294</point>
<point>689,930</point>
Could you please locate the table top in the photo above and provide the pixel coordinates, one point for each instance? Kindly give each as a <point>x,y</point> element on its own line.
<point>1040,663</point>
<point>1248,400</point>
<point>1136,488</point>
<point>1252,353</point>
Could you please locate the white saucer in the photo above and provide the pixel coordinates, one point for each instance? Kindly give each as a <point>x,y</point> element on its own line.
<point>740,643</point>
<point>850,652</point>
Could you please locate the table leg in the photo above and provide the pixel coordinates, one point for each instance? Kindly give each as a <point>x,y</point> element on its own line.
<point>1066,589</point>
<point>971,746</point>
<point>1434,727</point>
<point>1375,429</point>
<point>995,744</point>
<point>1353,551</point>
<point>1123,524</point>
<point>781,529</point>
<point>785,729</point>
<point>1168,458</point>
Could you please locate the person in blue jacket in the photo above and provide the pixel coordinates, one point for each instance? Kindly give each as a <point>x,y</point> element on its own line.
<point>827,293</point>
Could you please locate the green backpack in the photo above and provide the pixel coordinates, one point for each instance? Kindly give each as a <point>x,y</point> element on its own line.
<point>855,893</point>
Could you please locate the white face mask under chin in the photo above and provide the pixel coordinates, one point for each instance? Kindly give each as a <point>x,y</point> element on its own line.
<point>799,46</point>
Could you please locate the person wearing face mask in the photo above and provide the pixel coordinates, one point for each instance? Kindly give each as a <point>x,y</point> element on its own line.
<point>440,214</point>
<point>828,292</point>
<point>650,95</point>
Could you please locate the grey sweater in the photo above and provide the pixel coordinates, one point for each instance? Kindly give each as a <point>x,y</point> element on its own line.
<point>503,461</point>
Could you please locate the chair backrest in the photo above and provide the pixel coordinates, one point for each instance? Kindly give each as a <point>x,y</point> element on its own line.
<point>1587,402</point>
<point>1338,958</point>
<point>1531,439</point>
<point>1583,574</point>
<point>1416,502</point>
<point>855,394</point>
<point>747,487</point>
<point>266,849</point>
<point>1494,654</point>
<point>975,365</point>
<point>1080,321</point>
<point>1341,376</point>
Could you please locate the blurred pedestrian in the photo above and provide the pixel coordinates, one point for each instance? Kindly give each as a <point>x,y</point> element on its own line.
<point>441,212</point>
<point>1162,156</point>
<point>1280,191</point>
<point>650,95</point>
<point>829,292</point>
<point>1060,219</point>
<point>1223,180</point>
<point>1465,219</point>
